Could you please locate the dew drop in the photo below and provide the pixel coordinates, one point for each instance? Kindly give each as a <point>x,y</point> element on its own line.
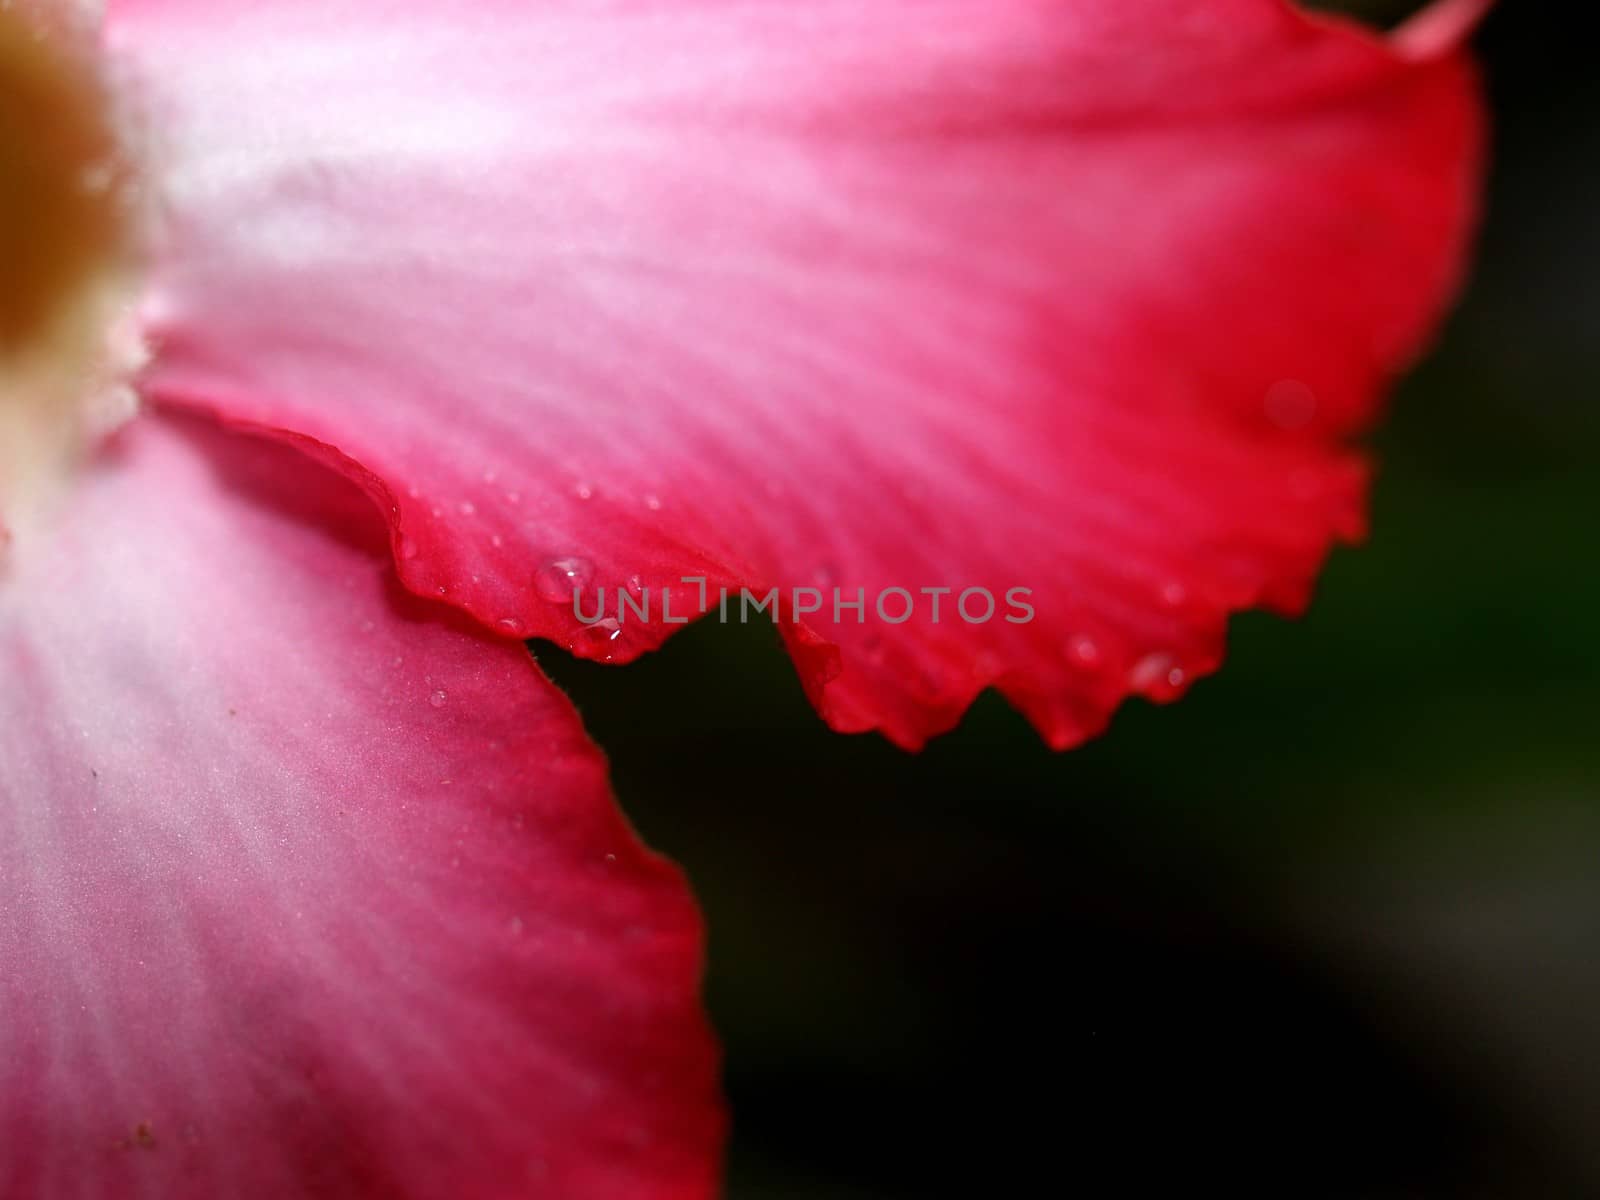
<point>1084,650</point>
<point>653,502</point>
<point>556,581</point>
<point>407,549</point>
<point>1158,676</point>
<point>468,509</point>
<point>598,640</point>
<point>1290,404</point>
<point>1174,594</point>
<point>497,541</point>
<point>584,491</point>
<point>439,698</point>
<point>510,625</point>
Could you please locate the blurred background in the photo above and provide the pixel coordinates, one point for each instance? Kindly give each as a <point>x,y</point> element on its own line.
<point>1330,927</point>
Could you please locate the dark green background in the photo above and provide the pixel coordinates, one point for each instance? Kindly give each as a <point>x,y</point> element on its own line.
<point>1328,927</point>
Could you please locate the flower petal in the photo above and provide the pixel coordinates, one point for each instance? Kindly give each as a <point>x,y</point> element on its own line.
<point>1083,298</point>
<point>304,891</point>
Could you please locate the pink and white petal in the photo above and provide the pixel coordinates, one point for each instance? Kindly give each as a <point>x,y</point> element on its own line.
<point>305,892</point>
<point>1084,298</point>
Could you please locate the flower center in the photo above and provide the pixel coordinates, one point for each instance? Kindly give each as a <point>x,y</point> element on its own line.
<point>65,241</point>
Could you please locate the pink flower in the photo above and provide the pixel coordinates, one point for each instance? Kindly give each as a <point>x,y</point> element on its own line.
<point>310,883</point>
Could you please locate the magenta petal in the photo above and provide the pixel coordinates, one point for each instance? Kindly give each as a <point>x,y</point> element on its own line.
<point>1084,298</point>
<point>305,892</point>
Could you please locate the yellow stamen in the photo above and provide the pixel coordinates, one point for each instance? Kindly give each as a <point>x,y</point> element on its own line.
<point>65,238</point>
<point>62,216</point>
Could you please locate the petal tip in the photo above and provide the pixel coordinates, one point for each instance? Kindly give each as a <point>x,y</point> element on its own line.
<point>1440,29</point>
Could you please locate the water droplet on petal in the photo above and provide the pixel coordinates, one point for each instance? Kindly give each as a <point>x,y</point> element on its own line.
<point>1290,404</point>
<point>556,581</point>
<point>468,508</point>
<point>510,625</point>
<point>407,548</point>
<point>1084,651</point>
<point>584,491</point>
<point>439,698</point>
<point>598,640</point>
<point>653,502</point>
<point>1157,676</point>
